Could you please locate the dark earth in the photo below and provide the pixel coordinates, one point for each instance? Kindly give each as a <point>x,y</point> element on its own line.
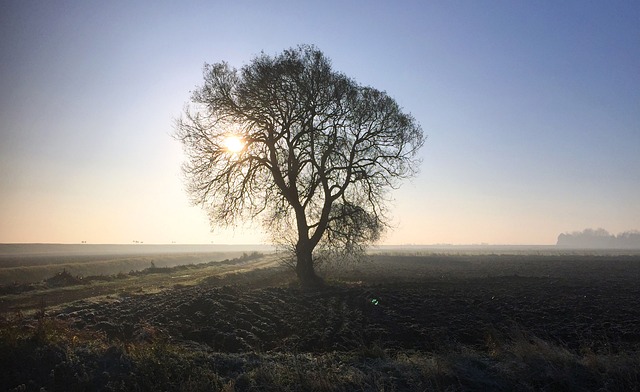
<point>400,322</point>
<point>595,307</point>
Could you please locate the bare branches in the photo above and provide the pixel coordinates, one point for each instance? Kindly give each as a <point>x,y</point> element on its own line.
<point>320,151</point>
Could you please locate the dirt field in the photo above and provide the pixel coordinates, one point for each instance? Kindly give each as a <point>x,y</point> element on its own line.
<point>580,303</point>
<point>575,307</point>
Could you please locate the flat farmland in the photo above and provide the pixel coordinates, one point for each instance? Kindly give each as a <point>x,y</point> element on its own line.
<point>31,263</point>
<point>397,322</point>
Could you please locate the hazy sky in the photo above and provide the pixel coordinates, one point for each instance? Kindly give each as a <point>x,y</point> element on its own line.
<point>532,111</point>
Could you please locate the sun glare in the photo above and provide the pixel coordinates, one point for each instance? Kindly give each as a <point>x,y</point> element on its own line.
<point>233,144</point>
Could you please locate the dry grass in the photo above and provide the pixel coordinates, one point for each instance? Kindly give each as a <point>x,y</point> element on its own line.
<point>45,267</point>
<point>153,278</point>
<point>44,352</point>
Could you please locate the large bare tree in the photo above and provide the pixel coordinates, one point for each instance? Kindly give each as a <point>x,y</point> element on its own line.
<point>304,148</point>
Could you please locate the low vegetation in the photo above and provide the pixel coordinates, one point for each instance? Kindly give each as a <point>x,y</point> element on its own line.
<point>26,269</point>
<point>64,278</point>
<point>399,323</point>
<point>55,356</point>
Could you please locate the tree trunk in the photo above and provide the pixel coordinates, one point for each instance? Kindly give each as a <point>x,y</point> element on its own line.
<point>304,266</point>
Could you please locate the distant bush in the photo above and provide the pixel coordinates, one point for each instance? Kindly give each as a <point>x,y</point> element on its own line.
<point>63,279</point>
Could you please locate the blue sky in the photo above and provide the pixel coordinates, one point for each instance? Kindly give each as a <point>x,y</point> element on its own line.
<point>532,111</point>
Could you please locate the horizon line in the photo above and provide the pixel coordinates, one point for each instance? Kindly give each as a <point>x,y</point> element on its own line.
<point>258,244</point>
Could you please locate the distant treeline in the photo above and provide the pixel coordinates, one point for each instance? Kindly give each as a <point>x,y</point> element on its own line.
<point>600,238</point>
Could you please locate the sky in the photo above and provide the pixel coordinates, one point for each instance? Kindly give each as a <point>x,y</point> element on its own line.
<point>531,111</point>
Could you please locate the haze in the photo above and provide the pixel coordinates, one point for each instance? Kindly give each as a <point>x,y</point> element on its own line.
<point>532,111</point>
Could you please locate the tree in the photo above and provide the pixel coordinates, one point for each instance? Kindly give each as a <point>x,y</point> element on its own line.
<point>308,150</point>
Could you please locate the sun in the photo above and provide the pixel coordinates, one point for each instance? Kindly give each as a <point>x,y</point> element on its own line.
<point>233,144</point>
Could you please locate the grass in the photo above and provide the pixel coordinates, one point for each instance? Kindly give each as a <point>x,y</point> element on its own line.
<point>41,351</point>
<point>52,355</point>
<point>63,286</point>
<point>25,270</point>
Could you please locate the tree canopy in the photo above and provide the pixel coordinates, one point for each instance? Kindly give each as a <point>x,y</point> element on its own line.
<point>310,152</point>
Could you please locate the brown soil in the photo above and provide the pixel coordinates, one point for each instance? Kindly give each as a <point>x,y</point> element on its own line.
<point>435,322</point>
<point>583,310</point>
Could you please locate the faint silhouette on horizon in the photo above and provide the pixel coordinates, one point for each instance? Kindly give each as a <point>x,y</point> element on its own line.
<point>600,238</point>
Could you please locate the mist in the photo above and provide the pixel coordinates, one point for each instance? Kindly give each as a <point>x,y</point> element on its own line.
<point>600,238</point>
